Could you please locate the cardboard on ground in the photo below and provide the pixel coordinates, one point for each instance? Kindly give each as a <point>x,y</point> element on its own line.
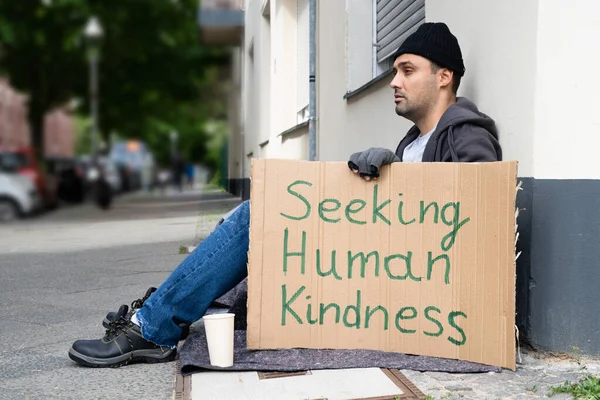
<point>438,245</point>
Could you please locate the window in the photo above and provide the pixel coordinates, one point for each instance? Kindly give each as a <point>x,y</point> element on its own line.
<point>374,31</point>
<point>394,21</point>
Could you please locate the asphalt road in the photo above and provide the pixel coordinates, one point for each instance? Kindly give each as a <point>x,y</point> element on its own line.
<point>61,273</point>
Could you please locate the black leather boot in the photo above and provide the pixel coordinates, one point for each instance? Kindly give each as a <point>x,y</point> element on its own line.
<point>122,344</point>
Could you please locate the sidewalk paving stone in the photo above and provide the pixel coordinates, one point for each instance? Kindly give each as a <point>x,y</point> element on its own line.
<point>535,376</point>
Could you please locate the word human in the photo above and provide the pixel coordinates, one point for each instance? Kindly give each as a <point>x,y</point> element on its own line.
<point>396,266</point>
<point>377,317</point>
<point>330,211</point>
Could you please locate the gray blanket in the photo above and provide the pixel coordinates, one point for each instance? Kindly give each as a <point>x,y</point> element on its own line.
<point>194,357</point>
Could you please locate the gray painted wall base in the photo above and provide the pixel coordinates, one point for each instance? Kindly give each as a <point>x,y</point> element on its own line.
<point>564,285</point>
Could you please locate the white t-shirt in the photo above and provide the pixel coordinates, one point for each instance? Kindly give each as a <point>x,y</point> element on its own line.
<point>414,151</point>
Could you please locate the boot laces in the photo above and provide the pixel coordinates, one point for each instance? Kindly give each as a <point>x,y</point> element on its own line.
<point>137,304</point>
<point>121,322</point>
<point>119,325</point>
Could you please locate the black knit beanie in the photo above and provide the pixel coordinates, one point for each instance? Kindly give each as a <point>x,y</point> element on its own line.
<point>434,41</point>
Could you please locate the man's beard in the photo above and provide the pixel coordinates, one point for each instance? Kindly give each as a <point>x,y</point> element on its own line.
<point>405,110</point>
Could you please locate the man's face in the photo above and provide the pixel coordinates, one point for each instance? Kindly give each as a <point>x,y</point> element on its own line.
<point>415,87</point>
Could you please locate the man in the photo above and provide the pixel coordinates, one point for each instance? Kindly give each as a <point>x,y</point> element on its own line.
<point>428,69</point>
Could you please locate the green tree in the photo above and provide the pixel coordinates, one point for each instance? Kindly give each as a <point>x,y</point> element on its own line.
<point>41,53</point>
<point>152,75</point>
<point>152,63</point>
<point>195,121</point>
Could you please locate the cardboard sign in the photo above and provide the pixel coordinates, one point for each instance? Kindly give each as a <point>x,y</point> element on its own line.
<point>419,261</point>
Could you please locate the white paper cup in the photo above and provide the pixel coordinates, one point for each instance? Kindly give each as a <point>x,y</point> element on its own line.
<point>219,336</point>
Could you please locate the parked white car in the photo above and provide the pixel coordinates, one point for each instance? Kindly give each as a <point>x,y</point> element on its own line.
<point>18,196</point>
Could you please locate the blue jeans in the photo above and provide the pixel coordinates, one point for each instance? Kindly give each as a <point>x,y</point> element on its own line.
<point>216,266</point>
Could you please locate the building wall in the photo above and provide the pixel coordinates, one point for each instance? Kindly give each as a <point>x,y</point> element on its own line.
<point>529,66</point>
<point>488,45</point>
<point>274,67</point>
<point>565,193</point>
<point>235,140</point>
<point>59,134</point>
<point>59,140</point>
<point>499,48</point>
<point>566,92</point>
<point>345,64</point>
<point>252,77</point>
<point>364,120</point>
<point>14,130</point>
<point>498,55</point>
<point>265,72</point>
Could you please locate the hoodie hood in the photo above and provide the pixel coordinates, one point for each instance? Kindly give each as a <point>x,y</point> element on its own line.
<point>465,111</point>
<point>463,134</point>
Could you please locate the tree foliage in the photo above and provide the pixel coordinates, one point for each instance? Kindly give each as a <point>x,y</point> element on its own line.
<point>41,53</point>
<point>154,75</point>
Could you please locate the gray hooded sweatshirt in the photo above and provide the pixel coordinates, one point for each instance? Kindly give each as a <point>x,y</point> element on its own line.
<point>463,134</point>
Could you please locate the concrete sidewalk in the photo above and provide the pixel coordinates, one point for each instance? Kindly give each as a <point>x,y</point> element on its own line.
<point>535,375</point>
<point>133,219</point>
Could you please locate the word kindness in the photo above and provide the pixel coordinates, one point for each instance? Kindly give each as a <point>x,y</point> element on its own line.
<point>356,316</point>
<point>346,264</point>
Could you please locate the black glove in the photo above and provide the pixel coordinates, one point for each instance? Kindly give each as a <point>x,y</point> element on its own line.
<point>369,161</point>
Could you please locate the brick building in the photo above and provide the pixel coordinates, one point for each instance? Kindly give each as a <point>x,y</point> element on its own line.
<point>14,127</point>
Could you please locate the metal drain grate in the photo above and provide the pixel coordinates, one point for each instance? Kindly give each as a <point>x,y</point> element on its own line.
<point>276,374</point>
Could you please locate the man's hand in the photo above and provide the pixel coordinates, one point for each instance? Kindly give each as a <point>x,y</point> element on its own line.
<point>367,163</point>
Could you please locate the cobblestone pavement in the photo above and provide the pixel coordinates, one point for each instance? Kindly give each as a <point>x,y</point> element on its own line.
<point>535,375</point>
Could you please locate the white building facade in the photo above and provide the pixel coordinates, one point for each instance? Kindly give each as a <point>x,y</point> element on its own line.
<point>529,66</point>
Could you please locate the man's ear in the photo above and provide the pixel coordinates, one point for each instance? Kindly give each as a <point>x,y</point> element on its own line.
<point>445,77</point>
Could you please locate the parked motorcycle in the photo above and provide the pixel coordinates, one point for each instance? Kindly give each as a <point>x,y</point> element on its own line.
<point>101,190</point>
